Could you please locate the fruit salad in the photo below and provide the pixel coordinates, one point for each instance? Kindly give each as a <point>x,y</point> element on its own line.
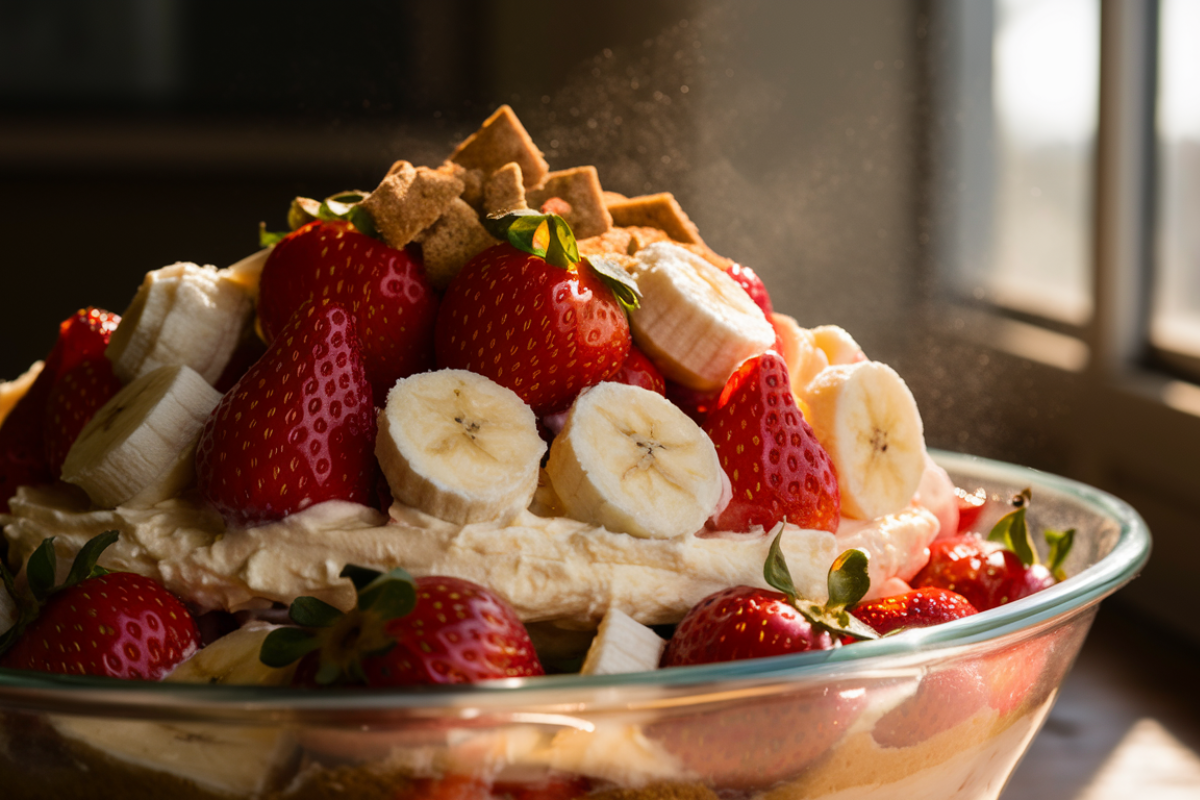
<point>486,421</point>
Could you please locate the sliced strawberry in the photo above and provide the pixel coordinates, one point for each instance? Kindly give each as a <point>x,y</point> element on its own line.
<point>537,320</point>
<point>111,624</point>
<point>384,289</point>
<point>777,467</point>
<point>748,280</point>
<point>306,406</point>
<point>403,632</point>
<point>74,400</point>
<point>918,608</point>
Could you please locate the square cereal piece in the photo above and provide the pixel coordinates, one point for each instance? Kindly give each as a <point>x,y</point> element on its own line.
<point>410,199</point>
<point>504,190</point>
<point>448,244</point>
<point>580,188</point>
<point>472,180</point>
<point>640,236</point>
<point>501,139</point>
<point>656,211</point>
<point>614,241</point>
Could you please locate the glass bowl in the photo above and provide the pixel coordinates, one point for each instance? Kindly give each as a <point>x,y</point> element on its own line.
<point>940,712</point>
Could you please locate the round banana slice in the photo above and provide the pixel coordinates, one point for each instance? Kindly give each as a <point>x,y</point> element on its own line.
<point>694,322</point>
<point>867,420</point>
<point>804,359</point>
<point>630,460</point>
<point>837,344</point>
<point>459,446</point>
<point>181,314</point>
<point>139,448</point>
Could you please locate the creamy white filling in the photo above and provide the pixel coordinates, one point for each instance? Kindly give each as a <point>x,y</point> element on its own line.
<point>548,568</point>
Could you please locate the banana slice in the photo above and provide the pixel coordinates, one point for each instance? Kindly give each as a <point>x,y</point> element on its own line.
<point>247,273</point>
<point>622,644</point>
<point>804,359</point>
<point>630,460</point>
<point>140,446</point>
<point>233,660</point>
<point>182,314</point>
<point>459,446</point>
<point>838,345</point>
<point>866,418</point>
<point>694,322</point>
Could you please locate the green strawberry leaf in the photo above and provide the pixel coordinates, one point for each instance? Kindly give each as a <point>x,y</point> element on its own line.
<point>268,238</point>
<point>84,566</point>
<point>1060,547</point>
<point>619,282</point>
<point>775,568</point>
<point>284,646</point>
<point>848,578</point>
<point>851,567</point>
<point>391,595</point>
<point>1013,532</point>
<point>309,612</point>
<point>520,229</point>
<point>41,569</point>
<point>361,577</point>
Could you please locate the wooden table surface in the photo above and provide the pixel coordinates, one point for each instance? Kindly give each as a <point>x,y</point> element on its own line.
<point>1126,724</point>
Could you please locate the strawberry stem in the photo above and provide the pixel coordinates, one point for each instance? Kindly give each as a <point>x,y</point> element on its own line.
<point>1060,547</point>
<point>521,229</point>
<point>848,582</point>
<point>1013,532</point>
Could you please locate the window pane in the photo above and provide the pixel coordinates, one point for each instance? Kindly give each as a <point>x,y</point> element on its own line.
<point>1176,318</point>
<point>1045,96</point>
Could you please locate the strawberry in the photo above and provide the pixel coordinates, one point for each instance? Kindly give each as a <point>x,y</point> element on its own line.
<point>747,622</point>
<point>536,319</point>
<point>985,573</point>
<point>77,395</point>
<point>637,370</point>
<point>919,608</point>
<point>306,406</point>
<point>402,632</point>
<point>750,744</point>
<point>970,507</point>
<point>748,280</point>
<point>693,402</point>
<point>1013,674</point>
<point>1003,568</point>
<point>942,700</point>
<point>384,289</point>
<point>23,447</point>
<point>111,624</point>
<point>778,469</point>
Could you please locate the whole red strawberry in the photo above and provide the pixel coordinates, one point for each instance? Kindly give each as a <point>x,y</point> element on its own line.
<point>459,632</point>
<point>637,370</point>
<point>748,280</point>
<point>297,429</point>
<point>743,622</point>
<point>535,319</point>
<point>429,631</point>
<point>23,446</point>
<point>919,608</point>
<point>384,289</point>
<point>985,573</point>
<point>77,395</point>
<point>942,700</point>
<point>111,624</point>
<point>778,469</point>
<point>749,622</point>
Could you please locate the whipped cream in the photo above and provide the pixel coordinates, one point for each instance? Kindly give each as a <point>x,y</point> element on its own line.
<point>550,569</point>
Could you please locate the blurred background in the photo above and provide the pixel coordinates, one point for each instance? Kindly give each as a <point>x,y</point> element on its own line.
<point>998,197</point>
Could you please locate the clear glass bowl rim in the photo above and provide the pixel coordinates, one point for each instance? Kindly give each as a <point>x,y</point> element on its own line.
<point>34,691</point>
